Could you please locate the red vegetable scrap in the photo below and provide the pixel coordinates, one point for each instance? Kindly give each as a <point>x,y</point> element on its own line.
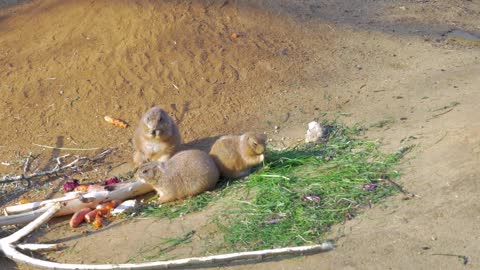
<point>111,181</point>
<point>79,217</point>
<point>70,185</point>
<point>90,216</point>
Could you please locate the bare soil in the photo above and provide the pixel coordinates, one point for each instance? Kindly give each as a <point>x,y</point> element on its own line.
<point>66,64</point>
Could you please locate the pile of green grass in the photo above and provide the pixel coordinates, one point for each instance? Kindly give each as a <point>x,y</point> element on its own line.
<point>299,193</point>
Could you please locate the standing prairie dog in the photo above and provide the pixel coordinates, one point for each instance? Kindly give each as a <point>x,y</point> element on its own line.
<point>156,137</point>
<point>236,155</point>
<point>186,174</point>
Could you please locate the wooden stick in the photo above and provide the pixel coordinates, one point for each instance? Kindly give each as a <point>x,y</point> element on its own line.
<point>65,148</point>
<point>121,191</point>
<point>21,218</point>
<point>7,247</point>
<point>15,237</point>
<point>21,208</point>
<point>179,264</point>
<point>38,247</point>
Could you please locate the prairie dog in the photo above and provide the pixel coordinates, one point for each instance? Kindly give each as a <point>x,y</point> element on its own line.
<point>236,155</point>
<point>156,137</point>
<point>187,173</point>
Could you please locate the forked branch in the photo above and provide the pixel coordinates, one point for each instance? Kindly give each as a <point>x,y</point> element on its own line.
<point>8,248</point>
<point>60,167</point>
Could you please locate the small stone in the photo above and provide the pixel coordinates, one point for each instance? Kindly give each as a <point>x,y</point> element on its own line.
<point>276,127</point>
<point>315,132</point>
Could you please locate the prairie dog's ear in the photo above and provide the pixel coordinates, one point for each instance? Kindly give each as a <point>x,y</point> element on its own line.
<point>262,138</point>
<point>256,142</point>
<point>161,166</point>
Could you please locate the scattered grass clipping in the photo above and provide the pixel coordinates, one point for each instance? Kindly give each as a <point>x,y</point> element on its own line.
<point>299,193</point>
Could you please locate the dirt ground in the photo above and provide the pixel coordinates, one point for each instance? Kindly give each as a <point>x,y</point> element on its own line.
<point>65,64</point>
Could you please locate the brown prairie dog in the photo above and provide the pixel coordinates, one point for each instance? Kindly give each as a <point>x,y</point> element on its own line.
<point>186,174</point>
<point>156,137</point>
<point>236,155</point>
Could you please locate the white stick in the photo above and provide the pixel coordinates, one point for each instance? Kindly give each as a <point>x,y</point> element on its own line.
<point>21,208</point>
<point>15,237</point>
<point>8,249</point>
<point>21,218</point>
<point>38,247</point>
<point>189,262</point>
<point>122,191</point>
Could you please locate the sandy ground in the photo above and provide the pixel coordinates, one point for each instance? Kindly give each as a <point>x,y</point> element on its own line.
<point>66,64</point>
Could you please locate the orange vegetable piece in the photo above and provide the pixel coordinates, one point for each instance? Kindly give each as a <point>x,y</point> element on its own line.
<point>83,188</point>
<point>98,222</point>
<point>24,201</point>
<point>116,122</point>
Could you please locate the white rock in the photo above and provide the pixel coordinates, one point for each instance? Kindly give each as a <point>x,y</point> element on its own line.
<point>125,207</point>
<point>315,132</point>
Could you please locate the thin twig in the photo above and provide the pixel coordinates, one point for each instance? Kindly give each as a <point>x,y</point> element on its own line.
<point>461,257</point>
<point>66,148</point>
<point>27,163</point>
<point>397,186</point>
<point>74,165</point>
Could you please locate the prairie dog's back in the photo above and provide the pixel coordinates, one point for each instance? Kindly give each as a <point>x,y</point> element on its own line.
<point>228,148</point>
<point>186,174</point>
<point>192,169</point>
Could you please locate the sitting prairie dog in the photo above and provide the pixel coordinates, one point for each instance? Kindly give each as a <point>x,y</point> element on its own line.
<point>186,174</point>
<point>156,137</point>
<point>236,155</point>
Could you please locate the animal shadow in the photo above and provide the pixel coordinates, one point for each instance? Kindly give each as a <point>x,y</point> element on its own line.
<point>204,144</point>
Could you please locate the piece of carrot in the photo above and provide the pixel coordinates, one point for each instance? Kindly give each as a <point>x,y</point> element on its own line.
<point>116,122</point>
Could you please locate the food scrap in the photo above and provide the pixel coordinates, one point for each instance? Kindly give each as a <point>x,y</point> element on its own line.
<point>24,201</point>
<point>79,217</point>
<point>369,187</point>
<point>90,216</point>
<point>98,222</point>
<point>111,181</point>
<point>70,185</point>
<point>116,122</point>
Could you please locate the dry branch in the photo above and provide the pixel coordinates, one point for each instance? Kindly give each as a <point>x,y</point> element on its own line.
<point>9,250</point>
<point>38,247</point>
<point>74,165</point>
<point>72,204</point>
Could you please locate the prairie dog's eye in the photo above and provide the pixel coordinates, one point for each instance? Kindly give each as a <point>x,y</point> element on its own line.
<point>145,171</point>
